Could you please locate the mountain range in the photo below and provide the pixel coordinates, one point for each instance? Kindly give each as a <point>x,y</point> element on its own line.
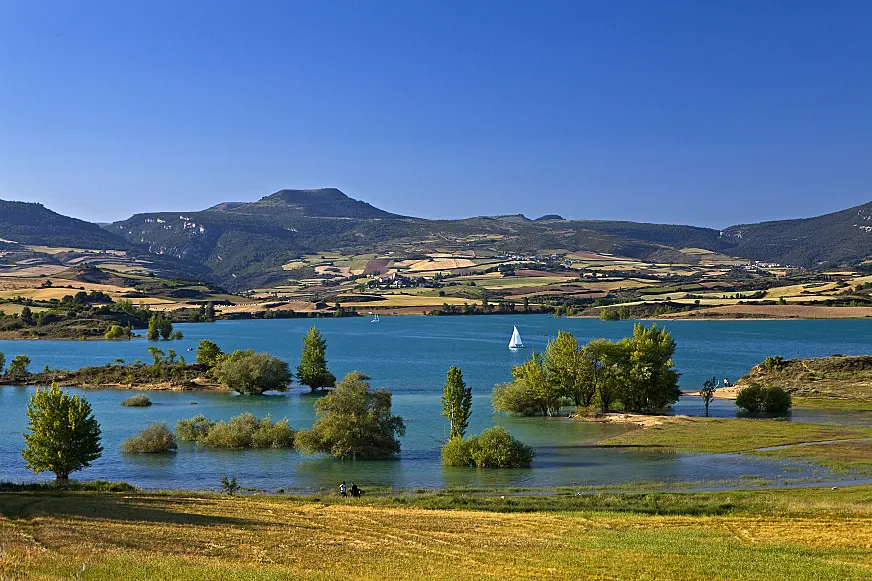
<point>245,244</point>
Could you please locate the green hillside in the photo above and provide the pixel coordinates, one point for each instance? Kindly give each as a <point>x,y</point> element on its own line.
<point>27,223</point>
<point>840,238</point>
<point>246,244</point>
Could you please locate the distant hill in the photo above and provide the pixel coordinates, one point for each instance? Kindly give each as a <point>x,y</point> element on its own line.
<point>28,223</point>
<point>246,244</point>
<point>840,238</point>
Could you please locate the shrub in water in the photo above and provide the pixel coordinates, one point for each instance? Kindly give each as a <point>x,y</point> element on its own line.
<point>755,398</point>
<point>777,400</point>
<point>273,435</point>
<point>242,431</point>
<point>236,433</point>
<point>194,429</point>
<point>494,448</point>
<point>137,401</point>
<point>456,452</point>
<point>154,439</point>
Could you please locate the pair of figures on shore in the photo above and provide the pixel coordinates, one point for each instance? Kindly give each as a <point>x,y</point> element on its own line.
<point>355,491</point>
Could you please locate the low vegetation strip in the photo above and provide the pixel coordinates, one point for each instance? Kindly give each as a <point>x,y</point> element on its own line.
<point>854,456</point>
<point>716,435</point>
<point>796,534</point>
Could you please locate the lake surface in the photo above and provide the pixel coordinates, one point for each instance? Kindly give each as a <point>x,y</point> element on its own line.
<point>410,356</point>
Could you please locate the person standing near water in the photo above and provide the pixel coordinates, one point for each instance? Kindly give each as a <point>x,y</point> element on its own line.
<point>343,490</point>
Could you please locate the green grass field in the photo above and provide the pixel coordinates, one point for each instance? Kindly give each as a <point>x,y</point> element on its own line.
<point>717,435</point>
<point>801,534</point>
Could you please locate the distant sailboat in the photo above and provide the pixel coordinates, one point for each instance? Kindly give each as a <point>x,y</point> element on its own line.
<point>515,342</point>
<point>374,319</point>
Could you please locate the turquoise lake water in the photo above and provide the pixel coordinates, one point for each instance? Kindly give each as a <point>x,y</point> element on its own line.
<point>409,356</point>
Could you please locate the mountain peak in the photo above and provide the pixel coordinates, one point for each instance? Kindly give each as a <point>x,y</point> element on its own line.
<point>323,203</point>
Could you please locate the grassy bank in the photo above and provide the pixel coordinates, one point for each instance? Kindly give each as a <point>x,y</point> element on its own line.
<point>790,534</point>
<point>835,382</point>
<point>717,435</point>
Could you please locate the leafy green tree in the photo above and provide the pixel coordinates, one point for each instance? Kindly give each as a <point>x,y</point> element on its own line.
<point>531,393</point>
<point>159,327</point>
<point>514,397</point>
<point>353,421</point>
<point>456,402</point>
<point>570,369</point>
<point>653,381</point>
<point>208,353</point>
<point>210,312</point>
<point>252,373</point>
<point>26,316</point>
<point>158,355</point>
<point>115,332</point>
<point>708,392</point>
<point>18,368</point>
<point>64,436</point>
<point>612,365</point>
<point>312,370</point>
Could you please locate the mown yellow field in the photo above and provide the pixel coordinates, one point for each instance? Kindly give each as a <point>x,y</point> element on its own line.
<point>797,536</point>
<point>440,264</point>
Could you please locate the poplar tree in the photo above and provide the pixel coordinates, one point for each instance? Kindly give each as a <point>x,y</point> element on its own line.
<point>64,436</point>
<point>456,403</point>
<point>312,370</point>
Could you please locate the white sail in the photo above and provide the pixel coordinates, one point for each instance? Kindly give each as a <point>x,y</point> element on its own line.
<point>515,342</point>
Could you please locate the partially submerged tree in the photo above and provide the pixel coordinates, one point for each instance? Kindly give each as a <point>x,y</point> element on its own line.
<point>636,372</point>
<point>456,403</point>
<point>18,368</point>
<point>312,370</point>
<point>708,392</point>
<point>251,373</point>
<point>208,353</point>
<point>353,421</point>
<point>532,392</point>
<point>64,436</point>
<point>159,327</point>
<point>494,448</point>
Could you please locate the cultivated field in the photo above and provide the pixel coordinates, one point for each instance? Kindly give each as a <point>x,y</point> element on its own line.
<point>797,535</point>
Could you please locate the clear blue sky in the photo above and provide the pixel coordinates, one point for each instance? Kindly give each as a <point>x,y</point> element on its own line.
<point>710,113</point>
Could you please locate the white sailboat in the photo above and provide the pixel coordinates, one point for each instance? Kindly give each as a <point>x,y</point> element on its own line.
<point>374,319</point>
<point>515,342</point>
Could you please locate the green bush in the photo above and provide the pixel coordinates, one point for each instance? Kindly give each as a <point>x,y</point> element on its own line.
<point>773,363</point>
<point>248,372</point>
<point>242,431</point>
<point>154,439</point>
<point>193,429</point>
<point>494,448</point>
<point>756,398</point>
<point>139,400</point>
<point>457,452</point>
